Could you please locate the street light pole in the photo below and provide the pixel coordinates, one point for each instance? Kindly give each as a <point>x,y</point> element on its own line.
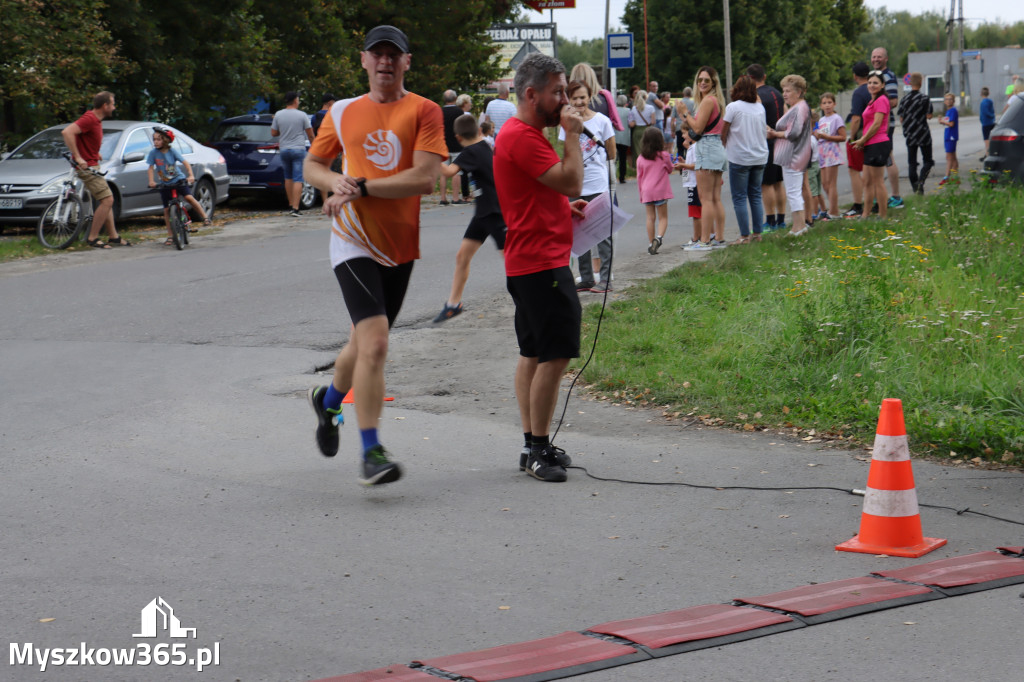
<point>727,86</point>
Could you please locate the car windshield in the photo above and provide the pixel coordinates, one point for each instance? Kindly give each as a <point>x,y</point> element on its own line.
<point>243,132</point>
<point>49,144</point>
<point>1014,115</point>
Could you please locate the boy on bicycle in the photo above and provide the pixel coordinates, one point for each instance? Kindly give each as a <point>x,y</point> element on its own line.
<point>165,160</point>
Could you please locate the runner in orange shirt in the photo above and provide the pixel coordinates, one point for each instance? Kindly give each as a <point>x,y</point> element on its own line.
<point>393,145</point>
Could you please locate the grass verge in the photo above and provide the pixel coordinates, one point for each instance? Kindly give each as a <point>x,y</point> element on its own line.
<point>812,333</point>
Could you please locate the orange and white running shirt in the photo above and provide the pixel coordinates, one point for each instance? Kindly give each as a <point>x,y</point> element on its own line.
<point>378,140</point>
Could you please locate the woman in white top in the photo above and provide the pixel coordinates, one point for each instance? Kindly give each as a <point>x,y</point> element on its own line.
<point>597,160</point>
<point>746,148</point>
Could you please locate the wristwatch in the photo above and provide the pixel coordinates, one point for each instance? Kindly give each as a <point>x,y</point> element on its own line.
<point>361,182</point>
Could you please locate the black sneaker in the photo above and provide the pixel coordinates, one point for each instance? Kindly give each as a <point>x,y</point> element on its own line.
<point>448,312</point>
<point>558,453</point>
<point>327,422</point>
<point>524,454</point>
<point>542,465</point>
<point>378,469</point>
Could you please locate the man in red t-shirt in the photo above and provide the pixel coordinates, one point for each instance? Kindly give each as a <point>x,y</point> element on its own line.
<point>84,138</point>
<point>533,188</point>
<point>393,145</point>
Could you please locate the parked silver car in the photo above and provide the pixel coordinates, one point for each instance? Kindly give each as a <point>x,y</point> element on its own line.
<point>31,175</point>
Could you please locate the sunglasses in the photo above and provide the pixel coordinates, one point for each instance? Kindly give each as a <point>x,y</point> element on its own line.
<point>704,80</point>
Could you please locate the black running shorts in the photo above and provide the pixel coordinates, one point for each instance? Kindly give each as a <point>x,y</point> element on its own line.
<point>371,289</point>
<point>548,314</point>
<point>482,226</point>
<point>877,154</point>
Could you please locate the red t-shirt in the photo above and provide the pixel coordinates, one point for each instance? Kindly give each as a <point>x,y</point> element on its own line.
<point>539,222</point>
<point>91,138</point>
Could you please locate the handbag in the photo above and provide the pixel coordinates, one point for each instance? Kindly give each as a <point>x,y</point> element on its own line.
<point>696,136</point>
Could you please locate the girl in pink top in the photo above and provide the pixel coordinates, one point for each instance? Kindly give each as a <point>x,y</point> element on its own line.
<point>653,171</point>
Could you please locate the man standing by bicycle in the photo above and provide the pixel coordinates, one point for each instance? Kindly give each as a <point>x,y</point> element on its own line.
<point>393,144</point>
<point>83,138</point>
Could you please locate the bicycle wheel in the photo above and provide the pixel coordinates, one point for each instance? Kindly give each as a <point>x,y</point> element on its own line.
<point>60,223</point>
<point>177,227</point>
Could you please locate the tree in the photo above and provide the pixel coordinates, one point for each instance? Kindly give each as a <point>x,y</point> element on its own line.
<point>816,39</point>
<point>45,77</point>
<point>572,53</point>
<point>450,48</point>
<point>189,60</point>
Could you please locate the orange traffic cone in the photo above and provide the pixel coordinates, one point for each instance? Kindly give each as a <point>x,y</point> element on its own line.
<point>891,523</point>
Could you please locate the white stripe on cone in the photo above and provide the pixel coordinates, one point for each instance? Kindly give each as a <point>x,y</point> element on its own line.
<point>890,448</point>
<point>891,503</point>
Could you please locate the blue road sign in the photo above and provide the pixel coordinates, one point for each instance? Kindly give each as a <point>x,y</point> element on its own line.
<point>620,50</point>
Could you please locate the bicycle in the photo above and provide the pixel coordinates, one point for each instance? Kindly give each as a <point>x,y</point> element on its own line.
<point>179,219</point>
<point>67,216</point>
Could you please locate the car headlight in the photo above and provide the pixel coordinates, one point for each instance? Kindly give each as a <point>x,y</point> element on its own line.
<point>53,186</point>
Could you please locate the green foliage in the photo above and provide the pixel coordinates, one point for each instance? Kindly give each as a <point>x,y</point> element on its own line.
<point>449,46</point>
<point>571,52</point>
<point>191,64</point>
<point>42,74</point>
<point>813,38</point>
<point>814,333</point>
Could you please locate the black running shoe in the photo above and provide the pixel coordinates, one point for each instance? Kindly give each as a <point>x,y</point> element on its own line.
<point>558,453</point>
<point>542,465</point>
<point>327,422</point>
<point>378,469</point>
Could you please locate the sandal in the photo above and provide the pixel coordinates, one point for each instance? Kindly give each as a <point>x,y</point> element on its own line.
<point>207,222</point>
<point>119,241</point>
<point>169,241</point>
<point>97,244</point>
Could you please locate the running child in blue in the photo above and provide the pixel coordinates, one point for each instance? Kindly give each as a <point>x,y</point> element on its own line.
<point>164,160</point>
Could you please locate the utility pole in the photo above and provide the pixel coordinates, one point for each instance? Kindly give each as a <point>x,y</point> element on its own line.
<point>727,85</point>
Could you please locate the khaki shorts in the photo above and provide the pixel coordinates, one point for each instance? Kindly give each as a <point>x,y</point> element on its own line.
<point>96,185</point>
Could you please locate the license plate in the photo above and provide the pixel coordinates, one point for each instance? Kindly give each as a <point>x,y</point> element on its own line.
<point>10,203</point>
<point>239,179</point>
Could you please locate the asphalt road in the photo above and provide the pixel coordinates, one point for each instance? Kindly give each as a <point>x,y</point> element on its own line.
<point>157,443</point>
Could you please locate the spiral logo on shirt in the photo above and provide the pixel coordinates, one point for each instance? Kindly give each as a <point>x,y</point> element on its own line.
<point>383,149</point>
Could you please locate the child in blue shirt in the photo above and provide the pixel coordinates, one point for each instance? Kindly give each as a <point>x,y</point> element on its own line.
<point>952,133</point>
<point>164,159</point>
<point>987,118</point>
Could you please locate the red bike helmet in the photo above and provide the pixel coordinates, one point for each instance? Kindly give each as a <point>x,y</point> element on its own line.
<point>169,134</point>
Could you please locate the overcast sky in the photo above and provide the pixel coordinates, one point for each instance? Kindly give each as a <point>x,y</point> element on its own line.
<point>587,19</point>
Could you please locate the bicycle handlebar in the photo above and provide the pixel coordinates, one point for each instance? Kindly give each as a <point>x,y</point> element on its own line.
<point>71,160</point>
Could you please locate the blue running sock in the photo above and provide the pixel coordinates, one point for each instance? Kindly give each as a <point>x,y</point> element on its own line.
<point>333,398</point>
<point>369,437</point>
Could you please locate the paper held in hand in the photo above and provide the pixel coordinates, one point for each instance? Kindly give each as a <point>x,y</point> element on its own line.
<point>597,224</point>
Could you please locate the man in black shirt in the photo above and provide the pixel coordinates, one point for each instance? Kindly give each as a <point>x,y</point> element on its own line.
<point>914,112</point>
<point>476,160</point>
<point>772,192</point>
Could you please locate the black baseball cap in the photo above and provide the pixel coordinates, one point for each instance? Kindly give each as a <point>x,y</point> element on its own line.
<point>861,70</point>
<point>386,34</point>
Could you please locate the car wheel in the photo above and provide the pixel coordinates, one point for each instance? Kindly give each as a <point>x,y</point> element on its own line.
<point>206,195</point>
<point>309,196</point>
<point>115,210</point>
